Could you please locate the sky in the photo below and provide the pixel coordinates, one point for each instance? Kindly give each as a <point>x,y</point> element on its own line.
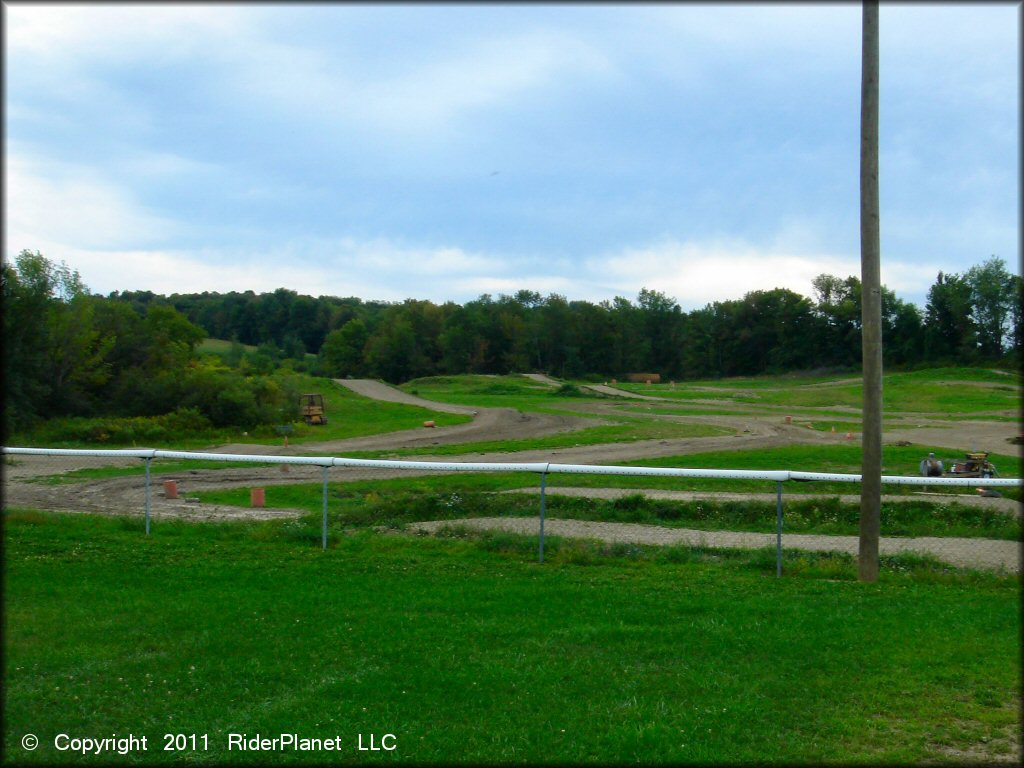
<point>446,151</point>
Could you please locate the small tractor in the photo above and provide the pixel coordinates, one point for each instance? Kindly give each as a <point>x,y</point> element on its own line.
<point>974,465</point>
<point>312,407</point>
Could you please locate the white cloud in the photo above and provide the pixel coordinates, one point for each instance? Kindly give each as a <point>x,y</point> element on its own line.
<point>372,270</point>
<point>383,256</point>
<point>246,60</point>
<point>67,205</point>
<point>414,96</point>
<point>695,273</point>
<point>473,286</point>
<point>116,31</point>
<point>486,74</point>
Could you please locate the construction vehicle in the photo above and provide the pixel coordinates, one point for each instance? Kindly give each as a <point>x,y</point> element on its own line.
<point>974,465</point>
<point>312,407</point>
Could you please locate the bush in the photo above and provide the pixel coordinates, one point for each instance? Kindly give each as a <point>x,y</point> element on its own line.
<point>123,430</point>
<point>568,390</point>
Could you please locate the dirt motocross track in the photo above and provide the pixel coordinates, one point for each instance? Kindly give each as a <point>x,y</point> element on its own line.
<point>125,495</point>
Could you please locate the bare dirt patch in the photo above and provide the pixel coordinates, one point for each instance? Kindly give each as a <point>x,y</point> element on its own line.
<point>748,431</point>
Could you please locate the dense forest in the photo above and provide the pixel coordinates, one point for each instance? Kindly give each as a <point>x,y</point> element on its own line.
<point>68,352</point>
<point>969,319</point>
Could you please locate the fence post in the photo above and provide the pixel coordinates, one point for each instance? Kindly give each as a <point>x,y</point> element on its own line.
<point>324,526</point>
<point>148,460</point>
<point>778,529</point>
<point>543,477</point>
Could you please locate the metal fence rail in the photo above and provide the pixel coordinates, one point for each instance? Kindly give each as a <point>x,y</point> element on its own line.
<point>777,477</point>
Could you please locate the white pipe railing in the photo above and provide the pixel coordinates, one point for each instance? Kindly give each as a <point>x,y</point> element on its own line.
<point>783,475</point>
<point>542,468</point>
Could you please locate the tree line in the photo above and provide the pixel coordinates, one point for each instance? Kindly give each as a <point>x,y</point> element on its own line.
<point>70,352</point>
<point>969,319</point>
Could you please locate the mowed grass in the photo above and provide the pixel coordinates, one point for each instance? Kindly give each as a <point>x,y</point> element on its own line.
<point>509,391</point>
<point>352,415</point>
<point>625,429</point>
<point>942,392</point>
<point>470,652</point>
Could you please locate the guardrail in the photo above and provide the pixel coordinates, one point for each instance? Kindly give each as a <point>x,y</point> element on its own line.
<point>779,477</point>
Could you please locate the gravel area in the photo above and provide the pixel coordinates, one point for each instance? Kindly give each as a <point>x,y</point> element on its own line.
<point>988,554</point>
<point>1007,506</point>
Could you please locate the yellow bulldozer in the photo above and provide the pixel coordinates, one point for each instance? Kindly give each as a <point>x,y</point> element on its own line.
<point>312,407</point>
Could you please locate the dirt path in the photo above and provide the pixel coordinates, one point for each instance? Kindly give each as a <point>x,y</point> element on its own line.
<point>126,495</point>
<point>540,378</point>
<point>1006,506</point>
<point>489,424</point>
<point>378,390</point>
<point>988,554</point>
<point>604,389</point>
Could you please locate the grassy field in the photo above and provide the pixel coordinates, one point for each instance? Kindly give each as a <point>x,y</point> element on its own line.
<point>352,415</point>
<point>467,651</point>
<point>938,392</point>
<point>512,391</point>
<point>349,415</point>
<point>625,429</point>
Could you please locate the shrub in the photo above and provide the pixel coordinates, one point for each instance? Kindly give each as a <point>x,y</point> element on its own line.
<point>123,430</point>
<point>568,390</point>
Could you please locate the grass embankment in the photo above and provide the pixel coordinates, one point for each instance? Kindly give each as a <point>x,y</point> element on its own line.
<point>468,651</point>
<point>510,391</point>
<point>938,392</point>
<point>625,430</point>
<point>348,415</point>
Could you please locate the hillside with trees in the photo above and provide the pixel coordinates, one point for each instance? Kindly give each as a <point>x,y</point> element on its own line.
<point>69,352</point>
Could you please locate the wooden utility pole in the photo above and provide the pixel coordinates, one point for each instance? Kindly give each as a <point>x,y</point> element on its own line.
<point>871,301</point>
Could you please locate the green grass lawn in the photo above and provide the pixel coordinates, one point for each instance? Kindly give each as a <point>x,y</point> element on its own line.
<point>352,415</point>
<point>937,391</point>
<point>468,651</point>
<point>511,391</point>
<point>626,429</point>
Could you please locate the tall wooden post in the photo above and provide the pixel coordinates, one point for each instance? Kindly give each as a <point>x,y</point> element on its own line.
<point>871,303</point>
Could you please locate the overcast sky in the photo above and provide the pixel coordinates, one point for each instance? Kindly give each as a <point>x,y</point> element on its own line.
<point>440,152</point>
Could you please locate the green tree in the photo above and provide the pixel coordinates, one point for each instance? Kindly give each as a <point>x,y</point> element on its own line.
<point>992,300</point>
<point>342,351</point>
<point>463,348</point>
<point>838,305</point>
<point>54,357</point>
<point>391,350</point>
<point>171,338</point>
<point>1016,307</point>
<point>26,290</point>
<point>663,324</point>
<point>951,334</point>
